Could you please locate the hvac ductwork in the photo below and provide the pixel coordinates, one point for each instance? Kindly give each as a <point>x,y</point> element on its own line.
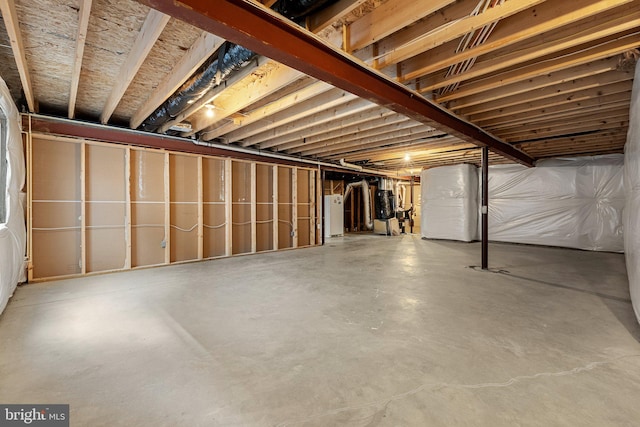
<point>222,65</point>
<point>366,200</point>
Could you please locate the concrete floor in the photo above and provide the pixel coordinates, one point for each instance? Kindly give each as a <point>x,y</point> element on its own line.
<point>368,330</point>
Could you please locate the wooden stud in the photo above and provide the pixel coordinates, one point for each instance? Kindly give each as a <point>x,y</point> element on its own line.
<point>127,206</point>
<point>29,202</point>
<point>312,207</point>
<point>294,207</point>
<point>200,210</point>
<point>318,208</point>
<point>275,208</point>
<point>228,207</point>
<point>167,210</point>
<point>83,209</point>
<point>254,224</point>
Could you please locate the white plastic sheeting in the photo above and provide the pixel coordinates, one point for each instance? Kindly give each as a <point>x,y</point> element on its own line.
<point>632,192</point>
<point>449,202</point>
<point>573,202</point>
<point>13,234</point>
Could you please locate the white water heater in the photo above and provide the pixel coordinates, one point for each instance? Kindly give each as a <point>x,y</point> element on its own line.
<point>333,216</point>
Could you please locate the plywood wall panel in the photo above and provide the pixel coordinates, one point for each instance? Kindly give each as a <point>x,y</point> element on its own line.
<point>214,232</point>
<point>241,207</point>
<point>57,208</point>
<point>183,179</point>
<point>285,208</point>
<point>264,207</point>
<point>105,195</point>
<point>147,208</point>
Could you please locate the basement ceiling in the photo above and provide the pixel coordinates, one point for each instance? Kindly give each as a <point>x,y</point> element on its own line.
<point>552,78</point>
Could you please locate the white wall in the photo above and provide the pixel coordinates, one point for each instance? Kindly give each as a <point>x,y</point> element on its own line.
<point>632,190</point>
<point>13,234</point>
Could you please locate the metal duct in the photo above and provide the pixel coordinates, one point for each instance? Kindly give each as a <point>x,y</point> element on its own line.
<point>227,60</point>
<point>366,200</point>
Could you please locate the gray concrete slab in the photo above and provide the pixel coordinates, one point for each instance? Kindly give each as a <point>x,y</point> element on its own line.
<point>368,330</point>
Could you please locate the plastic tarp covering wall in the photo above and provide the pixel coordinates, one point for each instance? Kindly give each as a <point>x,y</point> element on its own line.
<point>632,191</point>
<point>13,236</point>
<point>449,203</point>
<point>574,202</point>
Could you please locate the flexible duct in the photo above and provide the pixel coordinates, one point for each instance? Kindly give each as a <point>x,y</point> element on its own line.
<point>210,75</point>
<point>220,66</point>
<point>366,200</point>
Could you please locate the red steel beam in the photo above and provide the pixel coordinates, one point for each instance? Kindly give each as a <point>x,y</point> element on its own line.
<point>267,33</point>
<point>103,133</point>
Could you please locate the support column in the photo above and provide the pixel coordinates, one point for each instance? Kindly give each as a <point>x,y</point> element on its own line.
<point>485,208</point>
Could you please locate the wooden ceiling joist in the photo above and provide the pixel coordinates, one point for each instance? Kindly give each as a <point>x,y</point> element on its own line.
<point>526,25</point>
<point>351,128</point>
<point>550,95</point>
<point>574,77</point>
<point>317,132</point>
<point>299,129</point>
<point>205,46</point>
<point>579,97</point>
<point>538,68</point>
<point>268,110</point>
<point>83,23</point>
<point>389,18</point>
<point>324,100</point>
<point>455,30</point>
<point>149,33</point>
<point>266,33</point>
<point>10,17</point>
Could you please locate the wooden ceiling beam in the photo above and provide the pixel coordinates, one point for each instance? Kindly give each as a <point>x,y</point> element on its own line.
<point>575,77</point>
<point>250,134</point>
<point>542,66</point>
<point>445,16</point>
<point>151,29</point>
<point>391,17</point>
<point>83,24</point>
<point>262,114</point>
<point>417,132</point>
<point>571,122</point>
<point>415,150</point>
<point>455,30</point>
<point>10,17</point>
<point>612,123</point>
<point>295,129</point>
<point>204,46</point>
<point>562,98</point>
<point>400,123</point>
<point>325,127</point>
<point>529,24</point>
<point>348,127</point>
<point>563,110</point>
<point>268,34</point>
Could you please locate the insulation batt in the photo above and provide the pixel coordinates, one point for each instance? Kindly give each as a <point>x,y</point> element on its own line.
<point>13,235</point>
<point>632,192</point>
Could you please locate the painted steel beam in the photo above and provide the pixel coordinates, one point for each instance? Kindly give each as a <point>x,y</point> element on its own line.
<point>267,33</point>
